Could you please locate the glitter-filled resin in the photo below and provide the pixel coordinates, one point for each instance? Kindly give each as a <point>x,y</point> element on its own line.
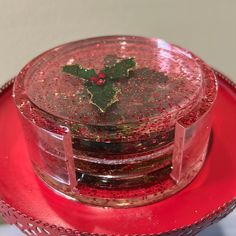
<point>147,144</point>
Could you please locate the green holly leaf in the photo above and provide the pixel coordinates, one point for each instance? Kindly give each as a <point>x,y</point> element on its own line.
<point>103,96</point>
<point>78,71</point>
<point>103,93</point>
<point>120,69</point>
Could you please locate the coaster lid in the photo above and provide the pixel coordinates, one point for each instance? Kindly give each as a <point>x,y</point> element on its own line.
<point>113,82</point>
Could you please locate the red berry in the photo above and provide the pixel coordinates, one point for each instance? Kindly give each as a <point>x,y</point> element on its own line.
<point>101,76</point>
<point>94,79</point>
<point>100,82</point>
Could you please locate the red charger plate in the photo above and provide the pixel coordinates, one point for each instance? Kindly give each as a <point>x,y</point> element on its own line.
<point>37,210</point>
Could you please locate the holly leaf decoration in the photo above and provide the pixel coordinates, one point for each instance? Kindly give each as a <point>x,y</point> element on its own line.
<point>103,96</point>
<point>100,86</point>
<point>120,69</point>
<point>78,71</point>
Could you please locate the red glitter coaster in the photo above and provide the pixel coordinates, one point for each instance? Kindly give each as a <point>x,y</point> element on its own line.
<point>116,121</point>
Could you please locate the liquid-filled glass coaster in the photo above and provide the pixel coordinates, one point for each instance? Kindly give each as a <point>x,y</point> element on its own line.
<point>116,121</point>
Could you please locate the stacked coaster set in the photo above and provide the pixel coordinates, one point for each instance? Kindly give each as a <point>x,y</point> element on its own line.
<point>117,135</point>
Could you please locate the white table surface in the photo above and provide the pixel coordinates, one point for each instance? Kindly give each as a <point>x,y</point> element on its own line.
<point>206,27</point>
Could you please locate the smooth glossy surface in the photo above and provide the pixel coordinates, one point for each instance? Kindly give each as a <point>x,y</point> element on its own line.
<point>143,95</point>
